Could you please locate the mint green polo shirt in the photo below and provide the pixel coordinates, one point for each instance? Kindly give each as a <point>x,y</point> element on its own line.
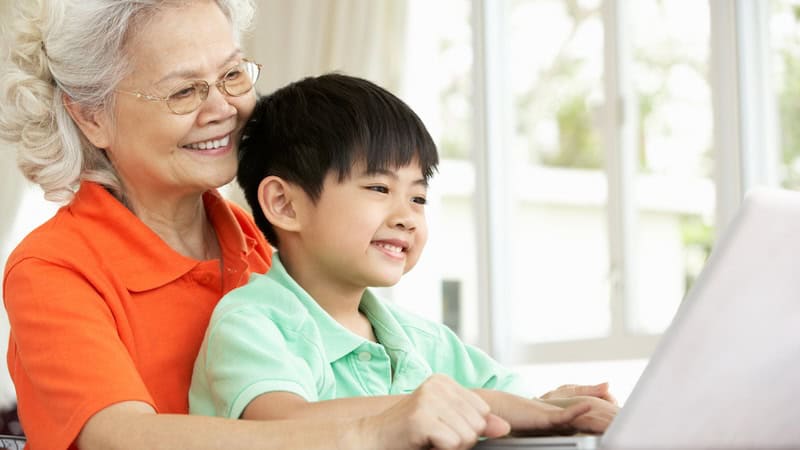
<point>270,335</point>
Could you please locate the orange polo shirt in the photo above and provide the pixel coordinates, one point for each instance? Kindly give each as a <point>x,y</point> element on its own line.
<point>102,311</point>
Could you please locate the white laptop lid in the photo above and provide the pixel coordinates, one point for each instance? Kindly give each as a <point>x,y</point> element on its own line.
<point>726,374</point>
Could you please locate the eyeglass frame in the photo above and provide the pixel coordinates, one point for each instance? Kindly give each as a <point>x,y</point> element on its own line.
<point>220,84</point>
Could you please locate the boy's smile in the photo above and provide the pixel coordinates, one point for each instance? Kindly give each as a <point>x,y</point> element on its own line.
<point>393,248</point>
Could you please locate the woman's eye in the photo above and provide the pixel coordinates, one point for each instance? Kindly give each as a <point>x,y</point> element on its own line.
<point>233,74</point>
<point>183,92</point>
<point>380,189</point>
<point>420,200</point>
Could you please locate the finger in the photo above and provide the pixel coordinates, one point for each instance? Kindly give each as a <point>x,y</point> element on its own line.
<point>604,393</point>
<point>460,410</point>
<point>442,437</point>
<point>496,426</point>
<point>597,390</point>
<point>570,413</point>
<point>456,433</point>
<point>590,423</point>
<point>596,421</point>
<point>557,419</point>
<point>564,390</point>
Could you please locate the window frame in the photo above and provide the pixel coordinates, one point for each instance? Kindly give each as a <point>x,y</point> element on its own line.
<point>745,155</point>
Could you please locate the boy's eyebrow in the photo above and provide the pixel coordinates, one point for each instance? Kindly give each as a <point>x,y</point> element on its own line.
<point>392,174</point>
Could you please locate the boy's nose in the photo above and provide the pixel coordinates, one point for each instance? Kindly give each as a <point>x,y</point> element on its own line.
<point>404,224</point>
<point>402,218</point>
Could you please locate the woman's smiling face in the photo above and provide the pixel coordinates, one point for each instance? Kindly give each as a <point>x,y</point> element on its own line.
<point>159,153</point>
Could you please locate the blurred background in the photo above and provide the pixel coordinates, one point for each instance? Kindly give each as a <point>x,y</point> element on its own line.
<point>592,153</point>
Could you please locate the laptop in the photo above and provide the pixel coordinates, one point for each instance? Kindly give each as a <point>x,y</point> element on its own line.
<point>726,374</point>
<point>577,442</point>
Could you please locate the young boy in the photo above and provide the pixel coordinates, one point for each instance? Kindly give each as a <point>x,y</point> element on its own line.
<point>336,171</point>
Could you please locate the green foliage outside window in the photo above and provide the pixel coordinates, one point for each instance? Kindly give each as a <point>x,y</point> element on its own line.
<point>789,106</point>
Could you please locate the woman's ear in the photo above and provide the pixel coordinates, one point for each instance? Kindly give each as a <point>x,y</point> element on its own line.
<point>94,124</point>
<point>278,200</point>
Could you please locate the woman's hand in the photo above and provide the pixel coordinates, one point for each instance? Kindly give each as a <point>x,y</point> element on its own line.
<point>438,414</point>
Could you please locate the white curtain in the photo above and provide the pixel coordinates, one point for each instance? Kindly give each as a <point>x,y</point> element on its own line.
<point>299,38</point>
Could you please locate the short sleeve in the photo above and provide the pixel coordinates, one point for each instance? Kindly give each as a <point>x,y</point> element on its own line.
<point>247,354</point>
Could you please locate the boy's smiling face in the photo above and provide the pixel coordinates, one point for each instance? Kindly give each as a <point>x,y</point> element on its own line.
<point>367,230</point>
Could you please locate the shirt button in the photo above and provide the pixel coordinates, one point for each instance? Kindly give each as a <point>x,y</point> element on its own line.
<point>364,356</point>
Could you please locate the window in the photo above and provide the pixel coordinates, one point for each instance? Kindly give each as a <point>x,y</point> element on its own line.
<point>582,195</point>
<point>592,151</point>
<point>785,43</point>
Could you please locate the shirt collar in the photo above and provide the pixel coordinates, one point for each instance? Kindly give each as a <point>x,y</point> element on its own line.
<point>138,255</point>
<point>337,340</point>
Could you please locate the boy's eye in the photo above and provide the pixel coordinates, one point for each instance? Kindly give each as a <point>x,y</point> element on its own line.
<point>380,189</point>
<point>420,200</point>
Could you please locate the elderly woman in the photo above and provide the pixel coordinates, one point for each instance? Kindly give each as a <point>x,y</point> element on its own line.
<point>129,112</point>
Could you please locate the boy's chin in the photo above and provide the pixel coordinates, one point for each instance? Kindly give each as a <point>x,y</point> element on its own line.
<point>386,281</point>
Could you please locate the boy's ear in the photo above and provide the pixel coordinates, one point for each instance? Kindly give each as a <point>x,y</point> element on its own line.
<point>278,199</point>
<point>94,124</point>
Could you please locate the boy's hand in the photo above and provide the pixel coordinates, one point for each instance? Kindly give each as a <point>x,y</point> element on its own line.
<point>438,414</point>
<point>577,390</point>
<point>596,420</point>
<point>540,418</point>
<point>535,416</point>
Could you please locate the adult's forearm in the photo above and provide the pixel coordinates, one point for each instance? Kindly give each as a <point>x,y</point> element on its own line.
<point>279,406</point>
<point>122,428</point>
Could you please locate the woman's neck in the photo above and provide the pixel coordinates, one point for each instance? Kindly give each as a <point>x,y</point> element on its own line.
<point>181,222</point>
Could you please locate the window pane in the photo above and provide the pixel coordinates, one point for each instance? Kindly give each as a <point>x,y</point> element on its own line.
<point>559,258</point>
<point>784,25</point>
<point>438,86</point>
<point>673,186</point>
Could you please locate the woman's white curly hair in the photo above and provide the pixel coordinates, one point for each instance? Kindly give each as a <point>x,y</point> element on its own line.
<point>77,48</point>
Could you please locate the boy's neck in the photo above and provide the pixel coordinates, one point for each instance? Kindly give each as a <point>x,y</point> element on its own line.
<point>340,301</point>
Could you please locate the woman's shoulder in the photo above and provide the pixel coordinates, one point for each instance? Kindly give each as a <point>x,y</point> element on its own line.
<point>55,239</point>
<point>93,233</point>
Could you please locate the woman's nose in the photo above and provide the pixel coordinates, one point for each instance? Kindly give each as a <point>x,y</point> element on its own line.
<point>217,106</point>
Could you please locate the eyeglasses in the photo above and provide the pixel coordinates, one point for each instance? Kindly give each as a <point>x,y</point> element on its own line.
<point>189,95</point>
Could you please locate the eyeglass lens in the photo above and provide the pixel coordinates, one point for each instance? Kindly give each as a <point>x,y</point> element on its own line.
<point>237,81</point>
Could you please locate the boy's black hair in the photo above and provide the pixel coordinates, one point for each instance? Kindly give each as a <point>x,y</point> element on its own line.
<point>309,128</point>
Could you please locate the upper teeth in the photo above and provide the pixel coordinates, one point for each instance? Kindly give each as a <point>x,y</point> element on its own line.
<point>207,145</point>
<point>390,247</point>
